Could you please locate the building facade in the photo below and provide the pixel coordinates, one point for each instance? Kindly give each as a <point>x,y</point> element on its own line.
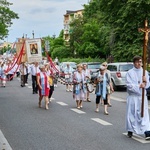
<point>68,18</point>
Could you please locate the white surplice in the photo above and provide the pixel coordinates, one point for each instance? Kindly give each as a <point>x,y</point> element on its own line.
<point>134,122</point>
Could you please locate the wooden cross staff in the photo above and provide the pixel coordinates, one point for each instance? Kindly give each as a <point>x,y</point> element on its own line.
<point>146,31</point>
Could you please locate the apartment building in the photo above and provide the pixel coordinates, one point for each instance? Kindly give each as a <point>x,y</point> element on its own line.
<point>68,18</point>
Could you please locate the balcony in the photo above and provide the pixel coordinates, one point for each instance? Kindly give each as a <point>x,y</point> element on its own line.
<point>66,31</point>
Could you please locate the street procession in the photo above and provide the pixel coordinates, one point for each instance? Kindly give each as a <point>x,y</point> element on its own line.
<point>83,86</point>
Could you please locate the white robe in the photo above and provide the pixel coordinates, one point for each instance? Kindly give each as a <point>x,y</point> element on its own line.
<point>134,122</point>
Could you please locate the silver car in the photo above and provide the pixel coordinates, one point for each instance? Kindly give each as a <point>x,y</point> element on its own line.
<point>118,72</point>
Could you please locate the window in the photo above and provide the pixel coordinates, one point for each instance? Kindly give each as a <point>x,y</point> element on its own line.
<point>112,68</point>
<point>125,67</point>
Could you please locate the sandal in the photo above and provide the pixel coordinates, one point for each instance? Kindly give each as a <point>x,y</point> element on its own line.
<point>88,100</point>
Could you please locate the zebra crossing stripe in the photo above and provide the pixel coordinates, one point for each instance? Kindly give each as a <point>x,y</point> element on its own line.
<point>4,145</point>
<point>139,138</point>
<point>78,111</point>
<point>62,103</point>
<point>98,120</point>
<point>117,99</point>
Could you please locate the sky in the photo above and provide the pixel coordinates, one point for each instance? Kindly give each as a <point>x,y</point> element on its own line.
<point>44,17</point>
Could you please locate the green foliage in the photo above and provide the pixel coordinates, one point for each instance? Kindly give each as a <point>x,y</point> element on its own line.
<point>61,52</point>
<point>6,16</point>
<point>110,27</point>
<point>81,60</point>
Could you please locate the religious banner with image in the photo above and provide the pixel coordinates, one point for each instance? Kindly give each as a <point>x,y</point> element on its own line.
<point>19,46</point>
<point>34,50</point>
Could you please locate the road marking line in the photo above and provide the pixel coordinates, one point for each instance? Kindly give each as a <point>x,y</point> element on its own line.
<point>78,111</point>
<point>29,86</point>
<point>101,121</point>
<point>138,138</point>
<point>118,99</point>
<point>3,142</point>
<point>62,103</point>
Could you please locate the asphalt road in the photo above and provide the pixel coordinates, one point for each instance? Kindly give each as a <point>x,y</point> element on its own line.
<point>63,127</point>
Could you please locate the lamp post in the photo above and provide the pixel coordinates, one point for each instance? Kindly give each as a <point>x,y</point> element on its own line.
<point>33,34</point>
<point>54,36</point>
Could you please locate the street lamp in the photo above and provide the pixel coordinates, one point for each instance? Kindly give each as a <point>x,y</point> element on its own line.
<point>33,34</point>
<point>54,36</point>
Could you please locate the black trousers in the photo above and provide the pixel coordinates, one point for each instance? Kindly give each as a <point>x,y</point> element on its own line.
<point>51,91</point>
<point>34,84</point>
<point>98,100</point>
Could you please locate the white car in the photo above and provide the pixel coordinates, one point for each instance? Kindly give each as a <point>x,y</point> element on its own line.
<point>118,72</point>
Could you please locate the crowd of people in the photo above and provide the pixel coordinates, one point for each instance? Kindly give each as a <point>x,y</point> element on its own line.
<point>44,79</point>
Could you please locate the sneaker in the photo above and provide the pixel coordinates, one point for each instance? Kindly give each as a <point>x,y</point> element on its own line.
<point>147,135</point>
<point>67,90</point>
<point>147,138</point>
<point>70,90</point>
<point>130,134</point>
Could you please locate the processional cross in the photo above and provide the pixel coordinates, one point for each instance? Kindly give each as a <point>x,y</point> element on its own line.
<point>146,31</point>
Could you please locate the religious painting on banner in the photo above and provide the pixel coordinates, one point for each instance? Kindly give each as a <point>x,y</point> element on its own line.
<point>34,50</point>
<point>19,46</point>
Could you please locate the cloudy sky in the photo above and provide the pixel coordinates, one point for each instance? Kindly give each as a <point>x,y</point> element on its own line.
<point>44,17</point>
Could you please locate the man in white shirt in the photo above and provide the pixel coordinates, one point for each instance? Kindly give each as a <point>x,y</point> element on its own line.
<point>34,69</point>
<point>23,72</point>
<point>68,77</point>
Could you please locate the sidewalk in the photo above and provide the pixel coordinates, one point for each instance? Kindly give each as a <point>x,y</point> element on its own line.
<point>4,145</point>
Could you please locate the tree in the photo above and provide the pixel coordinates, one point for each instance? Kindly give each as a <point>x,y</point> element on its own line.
<point>125,17</point>
<point>6,17</point>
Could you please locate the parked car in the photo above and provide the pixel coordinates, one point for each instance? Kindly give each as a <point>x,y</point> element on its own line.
<point>93,67</point>
<point>118,72</point>
<point>64,64</point>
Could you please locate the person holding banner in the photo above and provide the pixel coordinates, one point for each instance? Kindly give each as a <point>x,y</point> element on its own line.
<point>23,72</point>
<point>135,83</point>
<point>56,73</point>
<point>33,70</point>
<point>51,76</point>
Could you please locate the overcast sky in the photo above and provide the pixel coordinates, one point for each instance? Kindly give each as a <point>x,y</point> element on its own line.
<point>44,17</point>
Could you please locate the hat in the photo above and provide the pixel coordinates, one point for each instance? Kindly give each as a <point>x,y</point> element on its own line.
<point>102,67</point>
